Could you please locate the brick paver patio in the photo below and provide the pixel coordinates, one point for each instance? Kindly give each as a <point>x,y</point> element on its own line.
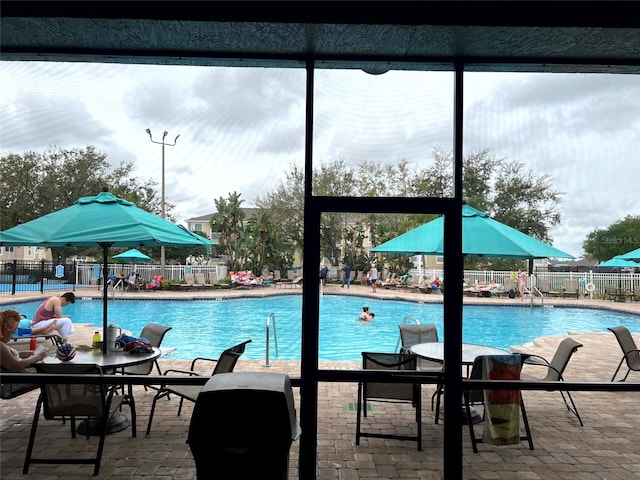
<point>606,447</point>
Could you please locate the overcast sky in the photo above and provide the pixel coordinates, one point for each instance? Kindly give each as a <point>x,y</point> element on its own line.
<point>241,129</point>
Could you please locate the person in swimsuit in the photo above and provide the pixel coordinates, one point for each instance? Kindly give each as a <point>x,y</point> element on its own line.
<point>50,311</point>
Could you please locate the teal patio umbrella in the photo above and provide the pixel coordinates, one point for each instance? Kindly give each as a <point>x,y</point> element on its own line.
<point>482,236</point>
<point>619,262</point>
<point>106,221</point>
<point>633,255</point>
<point>134,255</point>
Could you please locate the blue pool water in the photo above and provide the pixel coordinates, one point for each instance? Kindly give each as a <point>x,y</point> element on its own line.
<point>206,327</point>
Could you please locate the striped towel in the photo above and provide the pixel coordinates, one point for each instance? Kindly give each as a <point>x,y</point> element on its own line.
<point>502,407</point>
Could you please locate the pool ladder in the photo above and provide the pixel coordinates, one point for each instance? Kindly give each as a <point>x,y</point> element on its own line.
<point>533,292</point>
<point>271,319</point>
<point>407,319</point>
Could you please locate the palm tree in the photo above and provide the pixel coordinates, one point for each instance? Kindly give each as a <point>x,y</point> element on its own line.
<point>261,229</point>
<point>228,221</point>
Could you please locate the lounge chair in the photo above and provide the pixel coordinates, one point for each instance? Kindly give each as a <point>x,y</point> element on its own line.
<point>545,288</point>
<point>555,369</point>
<point>225,364</point>
<point>390,283</point>
<point>59,400</point>
<point>133,282</point>
<point>190,282</point>
<point>389,392</point>
<point>501,408</point>
<point>201,280</point>
<point>156,283</point>
<point>507,285</point>
<point>292,284</point>
<point>571,288</point>
<point>631,353</point>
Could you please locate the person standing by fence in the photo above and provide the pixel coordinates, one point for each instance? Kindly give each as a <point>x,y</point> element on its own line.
<point>346,276</point>
<point>522,283</point>
<point>373,277</point>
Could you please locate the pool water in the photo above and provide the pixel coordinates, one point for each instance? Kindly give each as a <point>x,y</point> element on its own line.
<point>207,327</point>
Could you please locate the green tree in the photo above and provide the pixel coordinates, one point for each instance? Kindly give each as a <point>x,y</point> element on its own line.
<point>260,228</point>
<point>506,190</point>
<point>619,238</point>
<point>178,254</point>
<point>33,184</point>
<point>285,204</point>
<point>228,221</point>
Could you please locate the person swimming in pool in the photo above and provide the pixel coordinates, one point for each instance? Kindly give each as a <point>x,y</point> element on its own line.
<point>366,315</point>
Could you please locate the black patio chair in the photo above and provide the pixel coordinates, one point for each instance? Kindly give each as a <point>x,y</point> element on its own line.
<point>61,400</point>
<point>225,364</point>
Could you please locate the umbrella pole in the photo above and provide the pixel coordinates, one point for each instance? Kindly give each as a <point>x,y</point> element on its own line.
<point>105,294</point>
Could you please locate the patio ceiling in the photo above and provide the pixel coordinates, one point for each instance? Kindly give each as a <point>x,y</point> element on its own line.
<point>515,36</point>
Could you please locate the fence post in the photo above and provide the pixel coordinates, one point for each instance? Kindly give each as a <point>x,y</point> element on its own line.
<point>42,276</point>
<point>14,275</point>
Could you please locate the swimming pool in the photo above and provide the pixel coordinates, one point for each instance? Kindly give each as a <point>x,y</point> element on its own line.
<point>207,327</point>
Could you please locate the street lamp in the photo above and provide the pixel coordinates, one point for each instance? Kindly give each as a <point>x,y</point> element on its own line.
<point>163,143</point>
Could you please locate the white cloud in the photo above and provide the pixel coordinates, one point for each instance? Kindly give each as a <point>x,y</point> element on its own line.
<point>240,129</point>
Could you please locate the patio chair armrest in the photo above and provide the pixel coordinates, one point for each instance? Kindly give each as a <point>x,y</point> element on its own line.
<point>201,359</point>
<point>532,359</point>
<point>183,372</point>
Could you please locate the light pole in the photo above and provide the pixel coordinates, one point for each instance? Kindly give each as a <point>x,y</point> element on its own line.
<point>163,143</point>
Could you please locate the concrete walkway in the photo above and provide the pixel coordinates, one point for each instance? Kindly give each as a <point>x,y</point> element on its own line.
<point>606,447</point>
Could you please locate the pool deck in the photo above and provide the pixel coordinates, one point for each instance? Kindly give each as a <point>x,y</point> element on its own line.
<point>606,447</point>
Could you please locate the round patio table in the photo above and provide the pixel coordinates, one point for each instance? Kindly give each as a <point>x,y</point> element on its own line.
<point>434,351</point>
<point>109,361</point>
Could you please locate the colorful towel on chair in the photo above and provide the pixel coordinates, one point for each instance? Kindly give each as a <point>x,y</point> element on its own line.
<point>502,415</point>
<point>134,345</point>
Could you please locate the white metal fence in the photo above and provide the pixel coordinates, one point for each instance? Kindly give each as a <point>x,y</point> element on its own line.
<point>88,274</point>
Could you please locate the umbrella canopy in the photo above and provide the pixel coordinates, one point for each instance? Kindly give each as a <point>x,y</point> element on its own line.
<point>103,220</point>
<point>620,262</point>
<point>632,255</point>
<point>482,236</point>
<point>134,255</point>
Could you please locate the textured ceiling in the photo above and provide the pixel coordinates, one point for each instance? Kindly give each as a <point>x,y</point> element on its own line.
<point>551,36</point>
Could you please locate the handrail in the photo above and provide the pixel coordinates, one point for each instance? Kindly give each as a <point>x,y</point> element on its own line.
<point>407,319</point>
<point>411,319</point>
<point>535,290</point>
<point>270,318</point>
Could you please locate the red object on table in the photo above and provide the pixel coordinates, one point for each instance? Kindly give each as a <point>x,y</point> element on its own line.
<point>33,344</point>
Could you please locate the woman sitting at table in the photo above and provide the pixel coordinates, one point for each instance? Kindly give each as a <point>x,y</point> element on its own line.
<point>10,359</point>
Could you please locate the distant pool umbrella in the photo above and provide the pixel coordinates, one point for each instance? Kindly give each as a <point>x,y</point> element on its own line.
<point>106,221</point>
<point>633,255</point>
<point>134,255</point>
<point>619,263</point>
<point>482,236</point>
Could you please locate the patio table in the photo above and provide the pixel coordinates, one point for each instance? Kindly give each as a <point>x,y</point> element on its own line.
<point>434,351</point>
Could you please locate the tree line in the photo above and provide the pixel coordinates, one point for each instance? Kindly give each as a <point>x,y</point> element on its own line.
<point>33,184</point>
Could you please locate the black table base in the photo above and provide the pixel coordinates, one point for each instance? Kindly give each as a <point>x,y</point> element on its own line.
<point>93,426</point>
